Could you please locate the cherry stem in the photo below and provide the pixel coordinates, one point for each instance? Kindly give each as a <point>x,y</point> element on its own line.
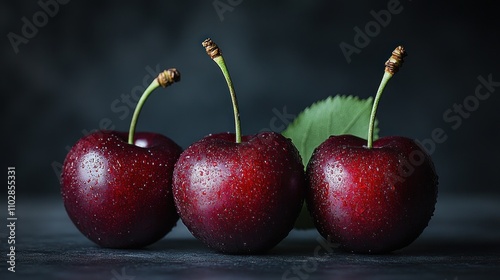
<point>371,126</point>
<point>164,79</point>
<point>391,67</point>
<point>216,55</point>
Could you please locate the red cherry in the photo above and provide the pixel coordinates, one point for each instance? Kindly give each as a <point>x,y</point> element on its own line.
<point>117,187</point>
<point>372,197</point>
<point>240,197</point>
<point>371,200</point>
<point>120,195</point>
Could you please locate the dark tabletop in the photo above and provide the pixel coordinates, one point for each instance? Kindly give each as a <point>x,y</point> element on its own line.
<point>461,242</point>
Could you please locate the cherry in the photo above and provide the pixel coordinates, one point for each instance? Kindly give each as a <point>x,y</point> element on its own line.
<point>239,194</point>
<point>117,188</point>
<point>372,196</point>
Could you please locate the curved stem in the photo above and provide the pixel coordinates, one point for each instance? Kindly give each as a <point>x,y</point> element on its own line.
<point>215,54</point>
<point>391,67</point>
<point>387,76</point>
<point>237,126</point>
<point>164,79</point>
<point>154,85</point>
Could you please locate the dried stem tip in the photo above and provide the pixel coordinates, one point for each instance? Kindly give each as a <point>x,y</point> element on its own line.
<point>168,77</point>
<point>395,61</point>
<point>212,49</point>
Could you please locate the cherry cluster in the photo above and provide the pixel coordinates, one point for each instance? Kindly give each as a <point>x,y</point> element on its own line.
<point>242,194</point>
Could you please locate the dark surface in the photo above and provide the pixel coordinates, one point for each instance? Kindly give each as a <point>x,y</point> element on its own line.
<point>461,242</point>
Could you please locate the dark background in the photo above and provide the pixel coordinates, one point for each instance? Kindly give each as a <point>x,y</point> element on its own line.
<point>280,53</point>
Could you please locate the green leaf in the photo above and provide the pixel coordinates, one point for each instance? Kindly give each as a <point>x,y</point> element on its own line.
<point>337,115</point>
<point>333,116</point>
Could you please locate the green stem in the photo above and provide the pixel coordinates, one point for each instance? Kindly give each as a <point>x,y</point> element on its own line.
<point>387,76</point>
<point>154,85</point>
<point>215,54</point>
<point>222,65</point>
<point>164,79</point>
<point>391,67</point>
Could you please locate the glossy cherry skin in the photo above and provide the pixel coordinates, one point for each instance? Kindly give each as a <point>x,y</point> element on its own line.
<point>371,200</point>
<point>120,195</point>
<point>240,198</point>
